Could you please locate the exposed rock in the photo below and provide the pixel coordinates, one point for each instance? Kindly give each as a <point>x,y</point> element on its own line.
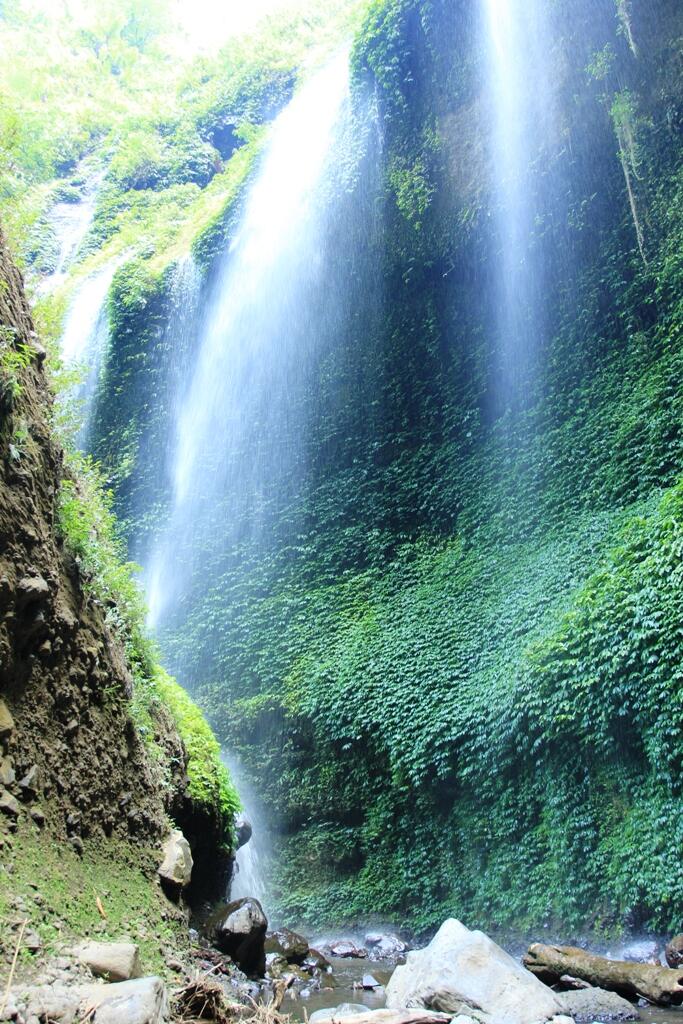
<point>647,951</point>
<point>143,1001</point>
<point>6,721</point>
<point>28,785</point>
<point>589,1004</point>
<point>315,961</point>
<point>243,830</point>
<point>293,947</point>
<point>369,982</point>
<point>346,949</point>
<point>463,971</point>
<point>37,816</point>
<point>8,804</point>
<point>7,774</point>
<point>674,952</point>
<point>175,871</point>
<point>116,961</point>
<point>337,1013</point>
<point>384,947</point>
<point>31,589</point>
<point>239,929</point>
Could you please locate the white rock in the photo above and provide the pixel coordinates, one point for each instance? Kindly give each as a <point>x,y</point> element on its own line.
<point>337,1013</point>
<point>463,971</point>
<point>176,867</point>
<point>115,961</point>
<point>143,1001</point>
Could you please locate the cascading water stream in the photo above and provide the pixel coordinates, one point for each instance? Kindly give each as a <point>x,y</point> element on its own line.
<point>84,339</point>
<point>238,443</point>
<point>520,92</point>
<point>252,338</point>
<point>70,222</point>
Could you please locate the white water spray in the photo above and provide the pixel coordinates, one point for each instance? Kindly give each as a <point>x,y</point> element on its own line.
<point>70,223</point>
<point>85,336</point>
<point>520,86</point>
<point>253,336</point>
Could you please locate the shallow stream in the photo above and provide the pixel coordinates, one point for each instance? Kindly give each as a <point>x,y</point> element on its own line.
<point>349,973</point>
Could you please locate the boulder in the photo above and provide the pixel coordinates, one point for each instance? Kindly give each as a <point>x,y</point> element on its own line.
<point>6,721</point>
<point>646,951</point>
<point>7,773</point>
<point>345,948</point>
<point>175,871</point>
<point>143,1001</point>
<point>243,830</point>
<point>354,1012</point>
<point>8,805</point>
<point>674,952</point>
<point>293,947</point>
<point>384,947</point>
<point>589,1004</point>
<point>463,971</point>
<point>370,983</point>
<point>116,961</point>
<point>315,961</point>
<point>239,930</point>
<point>337,1013</point>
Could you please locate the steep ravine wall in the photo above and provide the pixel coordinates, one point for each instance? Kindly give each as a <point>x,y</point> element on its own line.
<point>85,800</point>
<point>453,669</point>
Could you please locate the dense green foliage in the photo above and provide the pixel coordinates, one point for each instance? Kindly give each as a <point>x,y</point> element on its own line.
<point>451,660</point>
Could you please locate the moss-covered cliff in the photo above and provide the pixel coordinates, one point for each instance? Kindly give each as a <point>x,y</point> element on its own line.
<point>99,750</point>
<point>453,664</point>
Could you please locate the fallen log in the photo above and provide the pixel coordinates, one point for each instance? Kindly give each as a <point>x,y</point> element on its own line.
<point>657,984</point>
<point>413,1016</point>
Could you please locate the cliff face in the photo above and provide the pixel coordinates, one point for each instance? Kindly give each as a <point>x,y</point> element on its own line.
<point>64,675</point>
<point>85,798</point>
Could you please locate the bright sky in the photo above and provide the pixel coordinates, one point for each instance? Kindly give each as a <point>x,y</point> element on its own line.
<point>210,22</point>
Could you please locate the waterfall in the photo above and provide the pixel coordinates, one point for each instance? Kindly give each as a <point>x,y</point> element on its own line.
<point>517,48</point>
<point>84,339</point>
<point>70,222</point>
<point>251,860</point>
<point>237,438</point>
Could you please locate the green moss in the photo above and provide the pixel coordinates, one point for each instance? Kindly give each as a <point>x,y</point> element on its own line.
<point>122,876</point>
<point>209,781</point>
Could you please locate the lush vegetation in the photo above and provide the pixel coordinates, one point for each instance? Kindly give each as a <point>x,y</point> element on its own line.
<point>451,659</point>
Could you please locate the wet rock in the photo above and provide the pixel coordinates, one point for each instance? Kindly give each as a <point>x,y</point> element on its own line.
<point>589,1004</point>
<point>315,961</point>
<point>370,983</point>
<point>346,949</point>
<point>116,961</point>
<point>6,722</point>
<point>384,947</point>
<point>674,952</point>
<point>290,945</point>
<point>239,929</point>
<point>243,830</point>
<point>461,969</point>
<point>647,951</point>
<point>9,806</point>
<point>175,871</point>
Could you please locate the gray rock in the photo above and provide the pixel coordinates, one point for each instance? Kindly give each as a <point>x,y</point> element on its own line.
<point>243,830</point>
<point>8,805</point>
<point>175,870</point>
<point>589,1004</point>
<point>31,588</point>
<point>116,961</point>
<point>143,1001</point>
<point>463,971</point>
<point>369,982</point>
<point>6,721</point>
<point>346,948</point>
<point>28,785</point>
<point>315,961</point>
<point>646,951</point>
<point>290,945</point>
<point>239,929</point>
<point>674,952</point>
<point>7,773</point>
